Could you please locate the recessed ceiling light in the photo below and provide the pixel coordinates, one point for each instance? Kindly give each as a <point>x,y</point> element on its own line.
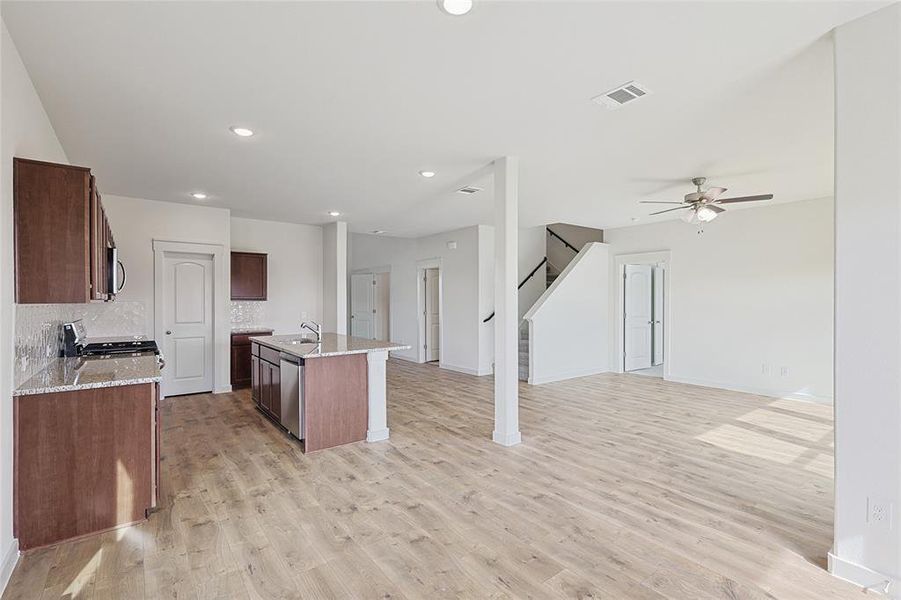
<point>378,231</point>
<point>241,131</point>
<point>427,174</point>
<point>199,195</point>
<point>455,7</point>
<point>334,213</point>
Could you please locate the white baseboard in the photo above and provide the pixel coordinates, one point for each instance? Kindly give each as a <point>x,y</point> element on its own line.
<point>566,375</point>
<point>10,558</point>
<point>507,439</point>
<point>223,390</point>
<point>377,435</point>
<point>411,359</point>
<point>466,370</point>
<point>862,576</point>
<point>773,393</point>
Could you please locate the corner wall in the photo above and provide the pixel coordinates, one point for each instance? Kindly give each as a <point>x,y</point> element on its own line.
<point>294,268</point>
<point>750,296</point>
<point>25,131</point>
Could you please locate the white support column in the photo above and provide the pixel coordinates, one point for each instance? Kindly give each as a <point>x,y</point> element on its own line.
<point>867,546</point>
<point>334,277</point>
<point>378,397</point>
<point>506,355</point>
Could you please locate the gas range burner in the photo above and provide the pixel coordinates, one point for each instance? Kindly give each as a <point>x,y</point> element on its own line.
<point>133,347</point>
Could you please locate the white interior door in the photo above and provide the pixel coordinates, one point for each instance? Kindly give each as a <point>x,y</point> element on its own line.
<point>188,323</point>
<point>658,283</point>
<point>638,317</point>
<point>362,305</point>
<point>382,306</point>
<point>432,317</point>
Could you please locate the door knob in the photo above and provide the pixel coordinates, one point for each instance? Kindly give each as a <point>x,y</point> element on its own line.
<point>168,332</point>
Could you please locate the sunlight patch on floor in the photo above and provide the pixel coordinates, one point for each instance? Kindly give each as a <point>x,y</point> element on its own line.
<point>752,443</point>
<point>799,427</point>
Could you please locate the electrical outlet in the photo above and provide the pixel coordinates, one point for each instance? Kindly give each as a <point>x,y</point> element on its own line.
<point>879,514</point>
<point>783,371</point>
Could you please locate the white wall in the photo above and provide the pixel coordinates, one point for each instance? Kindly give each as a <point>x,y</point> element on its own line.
<point>569,325</point>
<point>295,269</point>
<point>136,223</point>
<point>754,289</point>
<point>557,253</point>
<point>463,300</point>
<point>867,299</point>
<point>334,277</point>
<point>25,131</point>
<point>531,251</point>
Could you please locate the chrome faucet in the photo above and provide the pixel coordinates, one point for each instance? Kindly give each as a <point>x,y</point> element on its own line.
<point>314,327</point>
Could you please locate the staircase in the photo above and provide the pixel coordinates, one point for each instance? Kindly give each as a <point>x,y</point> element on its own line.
<point>551,274</point>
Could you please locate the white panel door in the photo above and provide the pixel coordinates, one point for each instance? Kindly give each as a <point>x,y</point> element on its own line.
<point>188,323</point>
<point>382,306</point>
<point>659,307</point>
<point>638,317</point>
<point>432,318</point>
<point>362,305</point>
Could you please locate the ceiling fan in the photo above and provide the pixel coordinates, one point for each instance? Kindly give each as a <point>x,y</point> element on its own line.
<point>703,204</point>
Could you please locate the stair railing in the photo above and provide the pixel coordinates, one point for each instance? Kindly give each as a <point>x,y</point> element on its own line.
<point>522,283</point>
<point>538,266</point>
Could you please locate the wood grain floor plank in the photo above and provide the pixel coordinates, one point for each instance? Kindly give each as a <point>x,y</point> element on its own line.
<point>623,487</point>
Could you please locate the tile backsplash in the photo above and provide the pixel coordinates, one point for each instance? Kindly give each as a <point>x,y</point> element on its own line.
<point>248,314</point>
<point>39,329</point>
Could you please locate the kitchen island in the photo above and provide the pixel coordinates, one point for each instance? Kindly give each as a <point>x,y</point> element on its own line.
<point>327,392</point>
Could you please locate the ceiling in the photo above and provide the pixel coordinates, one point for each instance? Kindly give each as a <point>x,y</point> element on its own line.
<point>351,99</point>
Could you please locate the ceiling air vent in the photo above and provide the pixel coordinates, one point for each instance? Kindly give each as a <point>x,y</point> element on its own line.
<point>624,94</point>
<point>469,189</point>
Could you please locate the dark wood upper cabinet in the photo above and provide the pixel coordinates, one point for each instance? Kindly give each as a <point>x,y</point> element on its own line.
<point>62,236</point>
<point>249,276</point>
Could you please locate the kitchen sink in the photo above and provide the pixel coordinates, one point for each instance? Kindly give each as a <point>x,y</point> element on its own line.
<point>298,341</point>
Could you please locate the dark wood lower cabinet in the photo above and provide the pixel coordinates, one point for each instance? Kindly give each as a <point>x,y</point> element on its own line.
<point>241,367</point>
<point>85,461</point>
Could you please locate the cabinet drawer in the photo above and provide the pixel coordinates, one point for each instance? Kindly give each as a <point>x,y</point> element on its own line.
<point>269,355</point>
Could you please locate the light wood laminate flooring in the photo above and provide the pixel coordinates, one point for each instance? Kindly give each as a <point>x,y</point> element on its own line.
<point>624,487</point>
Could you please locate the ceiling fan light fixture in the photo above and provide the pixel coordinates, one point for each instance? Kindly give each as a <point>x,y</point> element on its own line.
<point>456,8</point>
<point>705,214</point>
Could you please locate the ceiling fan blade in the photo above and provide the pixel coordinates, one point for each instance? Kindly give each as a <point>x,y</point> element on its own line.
<point>694,196</point>
<point>715,208</point>
<point>660,212</point>
<point>745,199</point>
<point>714,193</point>
<point>656,202</point>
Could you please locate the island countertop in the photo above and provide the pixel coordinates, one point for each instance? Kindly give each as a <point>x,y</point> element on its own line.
<point>331,344</point>
<point>79,373</point>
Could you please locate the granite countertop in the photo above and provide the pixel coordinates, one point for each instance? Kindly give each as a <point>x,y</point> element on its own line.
<point>331,344</point>
<point>242,329</point>
<point>81,373</point>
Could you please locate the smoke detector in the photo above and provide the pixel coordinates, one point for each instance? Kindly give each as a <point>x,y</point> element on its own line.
<point>469,189</point>
<point>624,94</point>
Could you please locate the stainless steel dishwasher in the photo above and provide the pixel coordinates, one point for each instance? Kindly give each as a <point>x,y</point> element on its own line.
<point>291,368</point>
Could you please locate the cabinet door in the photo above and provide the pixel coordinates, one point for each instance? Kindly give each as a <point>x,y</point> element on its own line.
<point>241,365</point>
<point>158,447</point>
<point>249,276</point>
<point>97,245</point>
<point>255,379</point>
<point>275,392</point>
<point>265,384</point>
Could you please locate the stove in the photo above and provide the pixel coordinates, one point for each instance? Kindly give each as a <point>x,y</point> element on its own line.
<point>120,347</point>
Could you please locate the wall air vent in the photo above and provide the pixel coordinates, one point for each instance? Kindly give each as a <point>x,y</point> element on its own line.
<point>624,94</point>
<point>469,189</point>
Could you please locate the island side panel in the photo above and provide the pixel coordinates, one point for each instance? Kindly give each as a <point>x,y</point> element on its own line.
<point>336,401</point>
